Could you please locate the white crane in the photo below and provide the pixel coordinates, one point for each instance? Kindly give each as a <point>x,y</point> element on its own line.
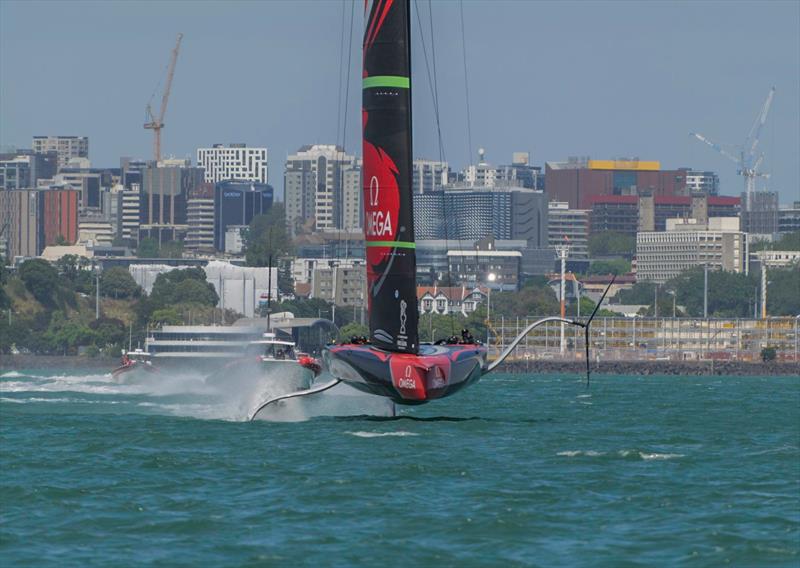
<point>750,158</point>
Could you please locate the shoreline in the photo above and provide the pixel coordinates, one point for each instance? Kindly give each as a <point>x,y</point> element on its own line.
<point>670,368</point>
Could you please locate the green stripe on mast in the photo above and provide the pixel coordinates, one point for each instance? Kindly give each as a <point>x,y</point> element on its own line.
<point>394,81</point>
<point>391,244</point>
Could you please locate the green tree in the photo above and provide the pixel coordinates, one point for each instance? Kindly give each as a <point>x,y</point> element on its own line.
<point>148,248</point>
<point>789,241</point>
<point>40,279</point>
<point>783,292</point>
<point>109,331</point>
<point>729,293</point>
<point>196,292</point>
<point>616,266</point>
<point>5,301</point>
<point>116,282</point>
<point>267,235</point>
<point>529,301</point>
<point>166,316</point>
<point>611,243</point>
<point>61,241</point>
<point>171,249</point>
<point>352,329</point>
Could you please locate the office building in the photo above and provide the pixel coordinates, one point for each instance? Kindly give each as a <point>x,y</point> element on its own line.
<point>577,181</point>
<point>497,269</point>
<point>58,216</point>
<point>685,244</point>
<point>342,282</point>
<point>628,214</point>
<point>789,218</point>
<point>318,194</point>
<point>20,223</point>
<point>66,147</point>
<point>15,173</point>
<point>702,182</point>
<point>569,227</point>
<point>471,214</point>
<point>236,161</point>
<point>236,203</point>
<point>200,218</point>
<point>131,212</point>
<point>429,175</point>
<point>520,172</point>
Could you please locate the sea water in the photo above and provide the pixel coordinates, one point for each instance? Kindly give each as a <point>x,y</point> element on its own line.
<point>519,470</point>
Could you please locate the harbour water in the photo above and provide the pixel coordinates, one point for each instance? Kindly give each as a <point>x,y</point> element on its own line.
<point>517,470</point>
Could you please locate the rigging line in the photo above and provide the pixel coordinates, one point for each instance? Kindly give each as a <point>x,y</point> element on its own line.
<point>347,76</point>
<point>466,82</point>
<point>430,81</point>
<point>442,155</point>
<point>341,66</point>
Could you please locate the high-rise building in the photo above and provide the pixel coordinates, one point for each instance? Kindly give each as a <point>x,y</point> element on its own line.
<point>481,174</point>
<point>236,203</point>
<point>762,216</point>
<point>15,173</point>
<point>235,161</point>
<point>59,216</point>
<point>577,181</point>
<point>429,175</point>
<point>569,227</point>
<point>341,281</point>
<point>67,147</point>
<point>520,172</point>
<point>318,194</point>
<point>131,212</point>
<point>702,182</point>
<point>471,214</point>
<point>20,228</point>
<point>165,190</point>
<point>662,255</point>
<point>200,218</point>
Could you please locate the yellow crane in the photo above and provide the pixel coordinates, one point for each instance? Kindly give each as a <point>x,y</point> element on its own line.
<point>156,124</point>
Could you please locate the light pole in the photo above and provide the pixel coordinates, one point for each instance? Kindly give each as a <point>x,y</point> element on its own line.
<point>491,277</point>
<point>563,251</point>
<point>705,291</point>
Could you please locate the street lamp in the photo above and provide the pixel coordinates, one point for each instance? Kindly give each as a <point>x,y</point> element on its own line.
<point>491,277</point>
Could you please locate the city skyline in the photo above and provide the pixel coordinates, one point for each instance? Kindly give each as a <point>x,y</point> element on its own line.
<point>557,79</point>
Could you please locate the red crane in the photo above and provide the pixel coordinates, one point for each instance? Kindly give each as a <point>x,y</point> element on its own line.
<point>156,124</point>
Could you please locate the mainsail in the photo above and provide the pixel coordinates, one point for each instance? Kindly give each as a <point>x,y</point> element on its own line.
<point>387,175</point>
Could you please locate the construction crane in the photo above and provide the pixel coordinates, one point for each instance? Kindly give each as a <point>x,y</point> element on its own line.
<point>749,159</point>
<point>156,124</point>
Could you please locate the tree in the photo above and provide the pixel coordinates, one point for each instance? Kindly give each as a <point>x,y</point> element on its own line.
<point>61,241</point>
<point>769,354</point>
<point>196,292</point>
<point>789,241</point>
<point>40,279</point>
<point>616,266</point>
<point>640,293</point>
<point>171,249</point>
<point>118,283</point>
<point>611,243</point>
<point>5,301</point>
<point>783,292</point>
<point>166,316</point>
<point>109,331</point>
<point>352,329</point>
<point>148,248</point>
<point>729,293</point>
<point>170,288</point>
<point>267,236</point>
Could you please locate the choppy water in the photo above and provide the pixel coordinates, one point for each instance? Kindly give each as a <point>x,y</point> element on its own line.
<point>518,470</point>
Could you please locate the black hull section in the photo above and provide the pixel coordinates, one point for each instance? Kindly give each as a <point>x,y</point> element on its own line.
<point>436,372</point>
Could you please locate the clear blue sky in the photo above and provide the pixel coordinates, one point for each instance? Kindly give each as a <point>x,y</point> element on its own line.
<point>558,79</point>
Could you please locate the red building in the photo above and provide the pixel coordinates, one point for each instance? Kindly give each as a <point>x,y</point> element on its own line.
<point>58,215</point>
<point>578,181</point>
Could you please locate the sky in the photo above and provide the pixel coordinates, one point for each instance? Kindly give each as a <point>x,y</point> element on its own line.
<point>556,79</point>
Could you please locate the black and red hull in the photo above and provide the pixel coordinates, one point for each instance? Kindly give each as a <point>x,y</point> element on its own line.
<point>436,372</point>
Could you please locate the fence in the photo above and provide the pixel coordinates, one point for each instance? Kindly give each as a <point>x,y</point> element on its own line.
<point>653,339</point>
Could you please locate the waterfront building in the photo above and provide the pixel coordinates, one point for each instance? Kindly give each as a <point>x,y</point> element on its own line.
<point>474,213</point>
<point>318,194</point>
<point>569,227</point>
<point>66,147</point>
<point>429,175</point>
<point>233,162</point>
<point>236,203</point>
<point>662,255</point>
<point>579,179</point>
<point>200,218</point>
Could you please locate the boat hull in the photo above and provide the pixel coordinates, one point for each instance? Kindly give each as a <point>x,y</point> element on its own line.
<point>436,372</point>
